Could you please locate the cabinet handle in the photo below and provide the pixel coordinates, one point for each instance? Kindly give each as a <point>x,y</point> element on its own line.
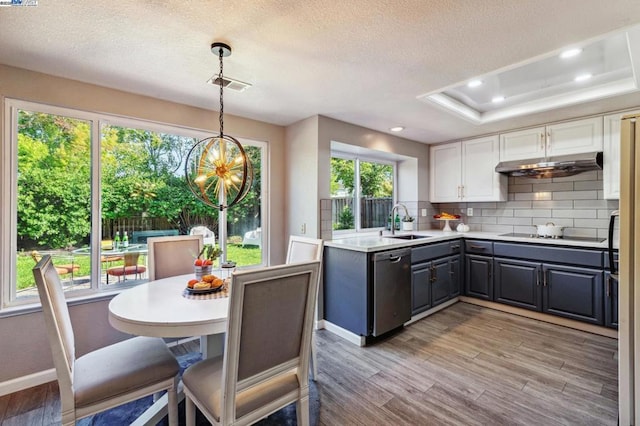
<point>489,270</point>
<point>542,142</point>
<point>461,191</point>
<point>548,143</point>
<point>459,196</point>
<point>477,247</point>
<point>608,286</point>
<point>538,277</point>
<point>544,278</point>
<point>455,248</point>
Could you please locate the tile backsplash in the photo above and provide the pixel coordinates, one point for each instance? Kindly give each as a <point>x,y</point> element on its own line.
<point>575,202</point>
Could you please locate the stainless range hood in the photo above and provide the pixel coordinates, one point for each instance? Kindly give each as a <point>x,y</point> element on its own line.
<point>565,165</point>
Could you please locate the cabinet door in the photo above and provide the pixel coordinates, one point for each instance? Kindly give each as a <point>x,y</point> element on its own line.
<point>445,172</point>
<point>523,144</point>
<point>478,277</point>
<point>575,137</point>
<point>610,301</point>
<point>420,287</point>
<point>480,182</point>
<point>518,283</point>
<point>455,272</point>
<point>573,292</point>
<point>440,281</point>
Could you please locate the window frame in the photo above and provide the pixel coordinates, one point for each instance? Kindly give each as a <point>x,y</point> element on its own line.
<point>357,158</point>
<point>9,182</point>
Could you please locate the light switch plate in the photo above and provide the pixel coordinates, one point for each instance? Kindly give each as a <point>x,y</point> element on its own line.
<point>469,211</point>
<point>423,212</point>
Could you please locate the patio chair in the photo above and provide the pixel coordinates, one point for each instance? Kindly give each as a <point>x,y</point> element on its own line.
<point>207,234</point>
<point>303,249</point>
<point>171,256</point>
<point>265,365</point>
<point>252,238</point>
<point>109,376</point>
<point>129,267</point>
<point>64,269</point>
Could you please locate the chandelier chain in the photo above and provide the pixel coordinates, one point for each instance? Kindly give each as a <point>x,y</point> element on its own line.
<point>221,76</point>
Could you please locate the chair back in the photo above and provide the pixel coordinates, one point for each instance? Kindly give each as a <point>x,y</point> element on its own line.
<point>58,324</point>
<point>303,249</point>
<point>269,328</point>
<point>171,256</point>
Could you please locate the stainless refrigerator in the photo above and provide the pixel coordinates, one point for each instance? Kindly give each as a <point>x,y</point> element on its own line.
<point>629,278</point>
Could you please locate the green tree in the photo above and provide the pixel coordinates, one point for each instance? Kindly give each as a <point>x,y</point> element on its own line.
<point>376,180</point>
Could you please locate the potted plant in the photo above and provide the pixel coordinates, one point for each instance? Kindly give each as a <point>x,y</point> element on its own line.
<point>204,262</point>
<point>407,223</point>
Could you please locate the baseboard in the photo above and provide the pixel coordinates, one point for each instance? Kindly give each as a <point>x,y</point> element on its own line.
<point>590,328</point>
<point>28,381</point>
<point>345,334</point>
<point>431,311</point>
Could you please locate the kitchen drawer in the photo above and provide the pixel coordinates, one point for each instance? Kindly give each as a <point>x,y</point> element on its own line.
<point>478,247</point>
<point>434,251</point>
<point>569,256</point>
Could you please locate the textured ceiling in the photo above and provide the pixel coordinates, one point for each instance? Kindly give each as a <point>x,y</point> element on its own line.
<point>360,61</point>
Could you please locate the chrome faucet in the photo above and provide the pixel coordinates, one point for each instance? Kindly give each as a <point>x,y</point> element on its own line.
<point>394,209</point>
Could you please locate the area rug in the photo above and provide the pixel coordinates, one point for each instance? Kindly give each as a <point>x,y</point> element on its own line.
<point>127,413</point>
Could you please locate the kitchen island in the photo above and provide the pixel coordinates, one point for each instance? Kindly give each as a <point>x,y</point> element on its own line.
<point>563,281</point>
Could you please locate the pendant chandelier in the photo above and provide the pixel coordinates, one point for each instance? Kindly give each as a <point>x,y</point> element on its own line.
<point>218,170</point>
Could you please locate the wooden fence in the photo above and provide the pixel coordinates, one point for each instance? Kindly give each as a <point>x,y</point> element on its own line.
<point>374,212</point>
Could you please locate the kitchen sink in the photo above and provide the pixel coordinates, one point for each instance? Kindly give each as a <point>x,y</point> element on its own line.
<point>408,237</point>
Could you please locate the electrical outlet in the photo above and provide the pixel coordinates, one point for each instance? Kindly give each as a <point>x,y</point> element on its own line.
<point>469,211</point>
<point>423,212</point>
<point>303,228</point>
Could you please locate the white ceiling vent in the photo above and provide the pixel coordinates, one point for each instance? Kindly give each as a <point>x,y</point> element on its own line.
<point>229,83</point>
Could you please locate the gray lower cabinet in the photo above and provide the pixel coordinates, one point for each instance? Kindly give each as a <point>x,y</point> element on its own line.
<point>478,276</point>
<point>517,283</point>
<point>610,301</point>
<point>421,287</point>
<point>435,277</point>
<point>573,292</point>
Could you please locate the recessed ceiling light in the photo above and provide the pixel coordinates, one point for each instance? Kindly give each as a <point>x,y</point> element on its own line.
<point>497,99</point>
<point>474,83</point>
<point>582,77</point>
<point>570,53</point>
<point>397,129</point>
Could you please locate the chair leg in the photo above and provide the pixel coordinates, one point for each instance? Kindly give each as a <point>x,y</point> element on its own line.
<point>302,411</point>
<point>173,405</point>
<point>314,360</point>
<point>190,411</point>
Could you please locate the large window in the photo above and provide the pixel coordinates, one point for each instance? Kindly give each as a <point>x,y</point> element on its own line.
<point>361,192</point>
<point>75,183</point>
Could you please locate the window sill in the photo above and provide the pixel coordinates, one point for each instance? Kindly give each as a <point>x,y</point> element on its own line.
<point>29,308</point>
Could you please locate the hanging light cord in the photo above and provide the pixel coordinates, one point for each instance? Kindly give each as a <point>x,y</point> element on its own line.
<point>221,100</point>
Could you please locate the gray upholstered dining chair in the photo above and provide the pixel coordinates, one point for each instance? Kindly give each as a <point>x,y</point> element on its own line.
<point>174,255</point>
<point>303,249</point>
<point>109,376</point>
<point>265,365</point>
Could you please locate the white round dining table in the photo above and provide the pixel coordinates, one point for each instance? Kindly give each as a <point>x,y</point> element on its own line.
<point>158,309</point>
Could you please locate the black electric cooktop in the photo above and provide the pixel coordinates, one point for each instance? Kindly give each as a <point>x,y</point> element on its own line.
<point>564,237</point>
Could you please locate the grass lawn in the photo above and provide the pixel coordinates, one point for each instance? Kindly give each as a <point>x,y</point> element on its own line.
<point>243,256</point>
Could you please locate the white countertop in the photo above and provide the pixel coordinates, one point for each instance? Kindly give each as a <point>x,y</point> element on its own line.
<point>372,242</point>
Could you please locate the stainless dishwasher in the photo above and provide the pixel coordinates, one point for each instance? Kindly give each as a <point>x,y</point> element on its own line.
<point>391,290</point>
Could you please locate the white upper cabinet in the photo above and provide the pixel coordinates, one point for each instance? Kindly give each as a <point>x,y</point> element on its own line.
<point>465,171</point>
<point>445,169</point>
<point>611,155</point>
<point>572,137</point>
<point>523,144</point>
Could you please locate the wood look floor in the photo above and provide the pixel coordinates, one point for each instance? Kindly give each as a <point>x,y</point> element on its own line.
<point>465,365</point>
